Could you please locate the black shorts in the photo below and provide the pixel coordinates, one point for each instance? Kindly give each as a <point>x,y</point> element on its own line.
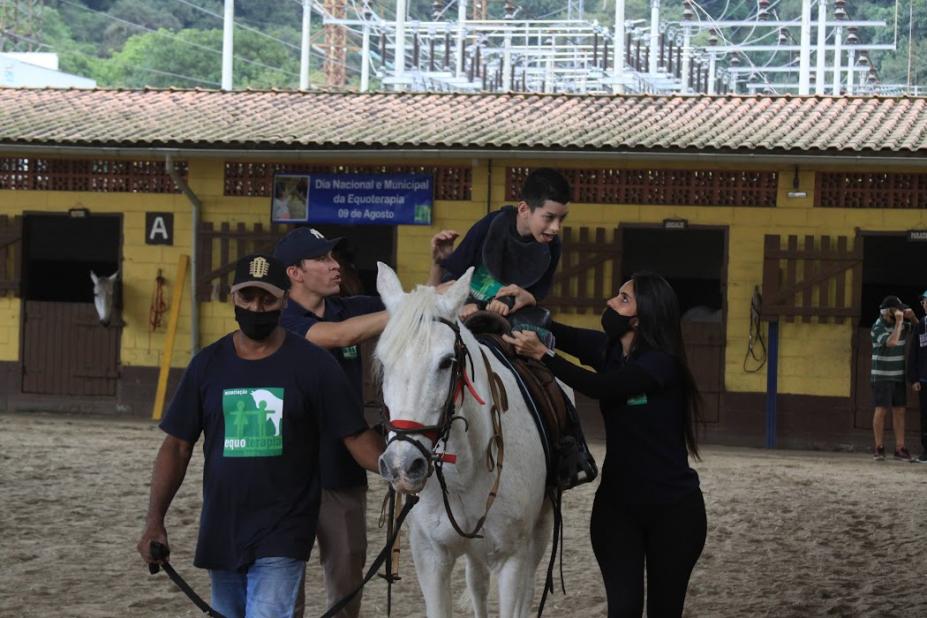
<point>889,394</point>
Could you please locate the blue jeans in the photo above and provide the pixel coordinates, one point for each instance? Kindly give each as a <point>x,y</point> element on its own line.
<point>267,589</point>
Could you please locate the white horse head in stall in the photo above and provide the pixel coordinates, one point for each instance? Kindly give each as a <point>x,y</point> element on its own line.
<point>437,390</point>
<point>103,293</point>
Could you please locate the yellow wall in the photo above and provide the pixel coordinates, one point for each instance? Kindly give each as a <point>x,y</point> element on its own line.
<point>139,267</point>
<point>801,372</point>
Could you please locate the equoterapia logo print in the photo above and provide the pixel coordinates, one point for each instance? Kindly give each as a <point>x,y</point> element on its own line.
<point>253,422</point>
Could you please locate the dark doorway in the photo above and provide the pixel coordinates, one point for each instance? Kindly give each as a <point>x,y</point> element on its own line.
<point>65,349</point>
<point>694,262</point>
<point>364,246</point>
<point>891,265</point>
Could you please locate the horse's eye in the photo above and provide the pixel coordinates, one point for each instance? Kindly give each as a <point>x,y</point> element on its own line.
<point>446,362</point>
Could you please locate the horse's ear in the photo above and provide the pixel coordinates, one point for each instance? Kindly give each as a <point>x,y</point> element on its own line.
<point>94,278</point>
<point>114,276</point>
<point>454,297</point>
<point>388,286</point>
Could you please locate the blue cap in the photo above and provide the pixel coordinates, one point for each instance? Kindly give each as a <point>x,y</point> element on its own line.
<point>301,244</point>
<point>924,294</point>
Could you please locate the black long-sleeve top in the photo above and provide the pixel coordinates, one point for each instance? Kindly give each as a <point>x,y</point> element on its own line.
<point>643,404</point>
<point>917,353</point>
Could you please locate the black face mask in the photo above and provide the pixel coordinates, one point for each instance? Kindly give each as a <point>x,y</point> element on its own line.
<point>256,325</point>
<point>614,324</point>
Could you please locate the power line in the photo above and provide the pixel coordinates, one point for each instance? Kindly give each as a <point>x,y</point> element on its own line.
<point>136,67</point>
<point>258,32</point>
<point>173,36</point>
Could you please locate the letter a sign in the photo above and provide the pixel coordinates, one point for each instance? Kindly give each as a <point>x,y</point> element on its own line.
<point>159,228</point>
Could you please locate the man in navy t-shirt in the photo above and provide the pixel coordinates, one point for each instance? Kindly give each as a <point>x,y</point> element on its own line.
<point>261,414</point>
<point>338,324</point>
<point>514,250</point>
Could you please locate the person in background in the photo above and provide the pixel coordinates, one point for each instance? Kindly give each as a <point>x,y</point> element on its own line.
<point>890,333</point>
<point>917,372</point>
<point>261,414</point>
<point>649,513</point>
<point>316,312</point>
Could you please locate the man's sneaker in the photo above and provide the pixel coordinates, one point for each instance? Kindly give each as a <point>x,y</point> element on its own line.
<point>878,453</point>
<point>921,459</point>
<point>902,454</point>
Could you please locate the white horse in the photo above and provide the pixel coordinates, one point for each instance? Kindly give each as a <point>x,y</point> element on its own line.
<point>416,352</point>
<point>103,292</point>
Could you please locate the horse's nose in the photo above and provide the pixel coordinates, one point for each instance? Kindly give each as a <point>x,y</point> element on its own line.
<point>104,322</point>
<point>417,469</point>
<point>387,471</point>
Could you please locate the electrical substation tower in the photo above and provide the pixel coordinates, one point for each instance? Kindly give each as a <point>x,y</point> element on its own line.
<point>460,48</point>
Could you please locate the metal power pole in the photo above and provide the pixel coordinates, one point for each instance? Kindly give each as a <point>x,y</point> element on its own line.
<point>304,48</point>
<point>654,36</point>
<point>228,27</point>
<point>821,54</point>
<point>804,58</point>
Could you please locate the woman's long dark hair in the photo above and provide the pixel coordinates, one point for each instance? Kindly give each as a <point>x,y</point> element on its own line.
<point>659,328</point>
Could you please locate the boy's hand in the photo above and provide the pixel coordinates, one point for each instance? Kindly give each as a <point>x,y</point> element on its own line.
<point>523,298</point>
<point>467,310</point>
<point>909,313</point>
<point>442,244</point>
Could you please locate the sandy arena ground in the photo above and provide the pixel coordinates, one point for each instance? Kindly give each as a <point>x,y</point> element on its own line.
<point>790,534</point>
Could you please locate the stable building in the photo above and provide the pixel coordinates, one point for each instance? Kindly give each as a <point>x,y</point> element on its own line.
<point>780,221</point>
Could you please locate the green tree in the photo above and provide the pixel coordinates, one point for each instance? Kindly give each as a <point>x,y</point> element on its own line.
<point>159,59</point>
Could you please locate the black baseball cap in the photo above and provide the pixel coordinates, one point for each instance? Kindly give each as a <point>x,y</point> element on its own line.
<point>892,302</point>
<point>303,243</point>
<point>263,271</point>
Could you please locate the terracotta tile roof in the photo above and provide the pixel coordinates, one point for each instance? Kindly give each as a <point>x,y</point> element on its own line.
<point>276,120</point>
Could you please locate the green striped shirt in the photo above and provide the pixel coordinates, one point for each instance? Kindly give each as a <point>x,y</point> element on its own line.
<point>887,361</point>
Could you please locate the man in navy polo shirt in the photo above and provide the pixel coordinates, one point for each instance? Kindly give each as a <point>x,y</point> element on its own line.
<point>316,312</point>
<point>262,414</point>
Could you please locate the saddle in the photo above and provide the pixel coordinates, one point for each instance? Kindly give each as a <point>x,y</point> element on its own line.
<point>569,462</point>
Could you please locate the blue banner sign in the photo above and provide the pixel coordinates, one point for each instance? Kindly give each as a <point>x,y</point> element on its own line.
<point>384,199</point>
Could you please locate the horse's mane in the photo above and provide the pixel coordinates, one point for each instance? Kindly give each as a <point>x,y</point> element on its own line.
<point>409,328</point>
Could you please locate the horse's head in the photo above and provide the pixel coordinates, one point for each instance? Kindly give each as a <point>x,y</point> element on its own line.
<point>418,355</point>
<point>103,288</point>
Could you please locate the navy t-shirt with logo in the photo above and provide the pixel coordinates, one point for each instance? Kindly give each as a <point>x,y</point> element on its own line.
<point>339,470</point>
<point>261,421</point>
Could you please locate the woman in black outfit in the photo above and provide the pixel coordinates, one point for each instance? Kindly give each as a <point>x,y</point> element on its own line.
<point>648,508</point>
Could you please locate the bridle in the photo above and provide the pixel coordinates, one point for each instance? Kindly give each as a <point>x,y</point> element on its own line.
<point>460,383</point>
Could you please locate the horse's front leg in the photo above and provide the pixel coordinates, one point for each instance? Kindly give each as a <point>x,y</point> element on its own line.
<point>516,586</point>
<point>433,565</point>
<point>517,575</point>
<point>478,584</point>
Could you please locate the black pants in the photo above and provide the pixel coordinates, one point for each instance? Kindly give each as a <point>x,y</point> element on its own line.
<point>922,398</point>
<point>667,538</point>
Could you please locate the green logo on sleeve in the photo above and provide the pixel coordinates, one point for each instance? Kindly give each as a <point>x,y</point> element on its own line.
<point>253,422</point>
<point>349,352</point>
<point>483,286</point>
<point>638,400</point>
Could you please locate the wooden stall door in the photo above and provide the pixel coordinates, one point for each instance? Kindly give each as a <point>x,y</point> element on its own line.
<point>66,351</point>
<point>704,342</point>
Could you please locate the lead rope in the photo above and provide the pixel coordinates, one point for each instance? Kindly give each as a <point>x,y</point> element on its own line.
<point>411,500</point>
